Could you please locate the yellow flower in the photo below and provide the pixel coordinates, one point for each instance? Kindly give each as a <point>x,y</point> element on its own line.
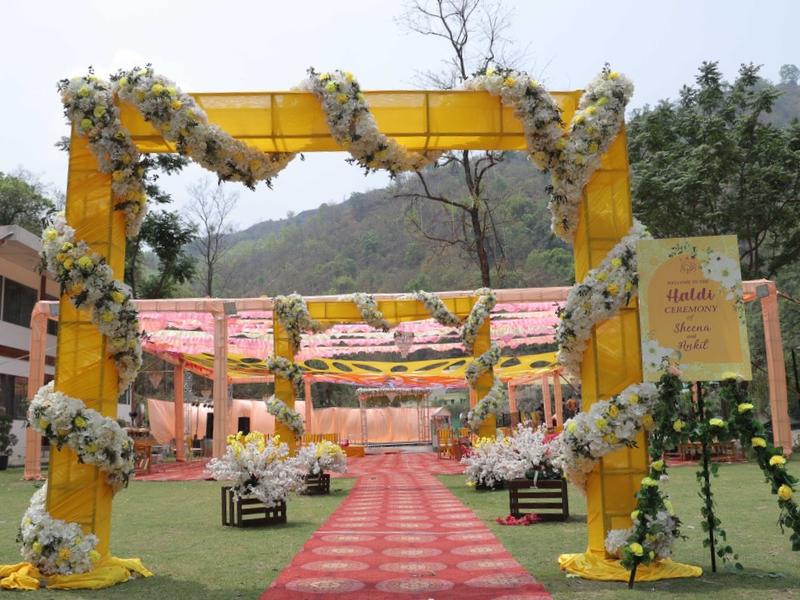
<point>669,506</point>
<point>649,482</point>
<point>658,465</point>
<point>715,422</point>
<point>647,420</point>
<point>561,143</point>
<point>633,399</point>
<point>172,90</point>
<point>777,460</point>
<point>69,262</point>
<point>157,89</point>
<point>94,556</point>
<point>636,549</point>
<point>108,316</point>
<point>80,422</point>
<point>64,553</point>
<point>36,547</point>
<point>784,492</point>
<point>591,110</point>
<point>628,286</point>
<point>99,111</point>
<point>341,98</point>
<point>509,82</point>
<point>43,424</point>
<point>86,124</point>
<point>91,448</point>
<point>613,75</point>
<point>611,439</point>
<point>578,119</point>
<point>490,71</point>
<point>650,538</point>
<point>330,87</point>
<point>118,297</point>
<point>601,424</point>
<point>612,411</point>
<point>578,160</point>
<point>613,288</point>
<point>176,105</point>
<point>758,442</point>
<point>602,276</point>
<point>119,343</point>
<point>594,147</point>
<point>83,92</point>
<point>745,406</point>
<point>117,175</point>
<point>85,262</point>
<point>635,515</point>
<point>571,427</point>
<point>123,82</point>
<point>349,76</point>
<point>50,234</point>
<point>602,101</point>
<point>678,425</point>
<point>323,76</point>
<point>729,375</point>
<point>360,97</point>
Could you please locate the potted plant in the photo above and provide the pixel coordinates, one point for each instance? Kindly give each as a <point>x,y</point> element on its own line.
<point>7,440</point>
<point>316,458</point>
<point>262,474</point>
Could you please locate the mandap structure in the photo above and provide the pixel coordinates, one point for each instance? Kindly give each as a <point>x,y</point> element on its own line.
<point>249,137</point>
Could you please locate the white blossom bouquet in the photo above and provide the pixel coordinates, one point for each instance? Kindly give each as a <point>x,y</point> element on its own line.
<point>491,462</point>
<point>316,458</point>
<point>258,466</point>
<point>54,546</point>
<point>538,452</point>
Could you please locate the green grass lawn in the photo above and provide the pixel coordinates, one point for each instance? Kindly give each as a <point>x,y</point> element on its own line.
<point>174,527</point>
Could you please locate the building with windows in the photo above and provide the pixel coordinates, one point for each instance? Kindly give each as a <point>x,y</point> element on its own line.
<point>21,286</point>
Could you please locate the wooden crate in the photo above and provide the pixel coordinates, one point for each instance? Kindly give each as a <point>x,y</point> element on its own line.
<point>317,484</point>
<point>548,498</point>
<point>249,511</point>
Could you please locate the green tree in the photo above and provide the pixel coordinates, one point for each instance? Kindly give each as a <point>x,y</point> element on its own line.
<point>22,201</point>
<point>706,164</point>
<point>789,74</point>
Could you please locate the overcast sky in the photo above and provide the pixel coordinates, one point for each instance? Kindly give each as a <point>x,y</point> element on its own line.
<point>267,45</point>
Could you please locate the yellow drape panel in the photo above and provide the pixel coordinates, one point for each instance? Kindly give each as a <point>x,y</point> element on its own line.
<point>294,121</point>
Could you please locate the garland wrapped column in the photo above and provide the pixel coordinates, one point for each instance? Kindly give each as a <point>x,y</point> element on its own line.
<point>78,492</point>
<point>284,388</point>
<point>482,344</point>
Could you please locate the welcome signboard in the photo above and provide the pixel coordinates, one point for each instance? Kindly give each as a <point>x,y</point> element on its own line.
<point>691,308</point>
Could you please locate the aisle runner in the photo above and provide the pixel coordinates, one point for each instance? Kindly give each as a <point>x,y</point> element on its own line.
<point>402,534</point>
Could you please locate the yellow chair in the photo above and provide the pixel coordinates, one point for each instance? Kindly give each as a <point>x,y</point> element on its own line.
<point>445,440</point>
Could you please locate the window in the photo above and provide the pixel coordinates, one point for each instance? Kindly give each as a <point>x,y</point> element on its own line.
<point>18,303</point>
<point>13,395</point>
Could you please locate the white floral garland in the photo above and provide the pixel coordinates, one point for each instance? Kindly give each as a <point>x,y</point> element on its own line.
<point>284,414</point>
<point>368,308</point>
<point>482,364</point>
<point>97,440</point>
<point>354,128</point>
<point>90,284</point>
<point>292,312</point>
<point>89,105</point>
<point>54,546</point>
<point>259,466</point>
<point>435,307</point>
<point>180,120</point>
<point>573,157</point>
<point>599,297</point>
<point>318,457</point>
<point>487,299</point>
<point>607,426</point>
<point>487,406</point>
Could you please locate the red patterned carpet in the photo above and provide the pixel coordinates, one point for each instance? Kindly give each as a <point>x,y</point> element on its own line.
<point>401,534</point>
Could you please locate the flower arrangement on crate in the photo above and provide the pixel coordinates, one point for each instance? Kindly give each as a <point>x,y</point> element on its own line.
<point>259,466</point>
<point>319,457</point>
<point>539,454</point>
<point>491,463</point>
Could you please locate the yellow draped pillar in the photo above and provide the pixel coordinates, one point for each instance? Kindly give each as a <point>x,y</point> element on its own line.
<point>483,343</point>
<point>284,389</point>
<point>77,492</point>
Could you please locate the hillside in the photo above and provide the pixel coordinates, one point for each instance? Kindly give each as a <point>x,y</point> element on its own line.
<point>367,243</point>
